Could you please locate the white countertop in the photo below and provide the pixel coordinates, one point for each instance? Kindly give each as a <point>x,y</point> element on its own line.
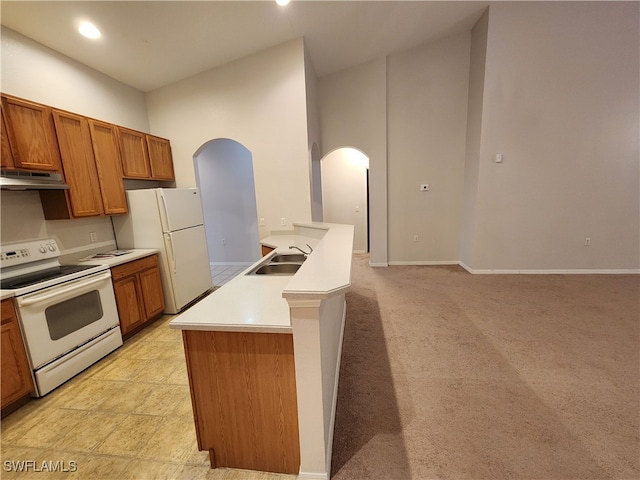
<point>4,294</point>
<point>120,259</point>
<point>258,303</point>
<point>110,262</point>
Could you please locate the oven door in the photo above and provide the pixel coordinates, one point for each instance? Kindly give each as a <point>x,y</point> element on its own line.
<point>61,318</point>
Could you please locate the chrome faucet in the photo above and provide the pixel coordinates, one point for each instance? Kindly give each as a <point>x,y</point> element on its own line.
<point>302,251</point>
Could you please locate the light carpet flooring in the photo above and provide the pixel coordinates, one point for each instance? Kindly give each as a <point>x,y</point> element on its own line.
<point>448,375</point>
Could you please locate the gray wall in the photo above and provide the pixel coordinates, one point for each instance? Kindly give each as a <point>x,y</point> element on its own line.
<point>353,112</point>
<point>258,101</point>
<point>553,86</point>
<point>560,101</point>
<point>427,94</point>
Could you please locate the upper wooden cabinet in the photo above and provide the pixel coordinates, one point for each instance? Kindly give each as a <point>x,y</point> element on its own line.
<point>145,156</point>
<point>108,162</point>
<point>160,158</point>
<point>91,164</point>
<point>5,149</point>
<point>31,135</point>
<point>78,163</point>
<point>93,156</point>
<point>135,155</point>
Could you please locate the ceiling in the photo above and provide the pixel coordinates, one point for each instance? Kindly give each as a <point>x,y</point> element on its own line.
<point>149,44</point>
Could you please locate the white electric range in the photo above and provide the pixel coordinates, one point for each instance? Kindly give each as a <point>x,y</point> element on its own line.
<point>67,313</point>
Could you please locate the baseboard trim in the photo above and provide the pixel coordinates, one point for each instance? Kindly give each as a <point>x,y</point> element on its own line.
<point>574,271</point>
<point>312,476</point>
<point>372,264</point>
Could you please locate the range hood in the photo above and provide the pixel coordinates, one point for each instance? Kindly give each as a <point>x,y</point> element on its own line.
<point>23,180</point>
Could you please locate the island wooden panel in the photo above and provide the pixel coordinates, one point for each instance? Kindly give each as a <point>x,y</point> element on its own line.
<point>243,391</point>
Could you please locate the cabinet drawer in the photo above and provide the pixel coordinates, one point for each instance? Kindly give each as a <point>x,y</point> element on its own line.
<point>134,267</point>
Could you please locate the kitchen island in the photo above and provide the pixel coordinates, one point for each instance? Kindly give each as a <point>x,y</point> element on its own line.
<point>263,356</point>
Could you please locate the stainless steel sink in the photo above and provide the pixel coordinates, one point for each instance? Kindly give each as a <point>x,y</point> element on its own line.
<point>292,257</point>
<point>276,269</point>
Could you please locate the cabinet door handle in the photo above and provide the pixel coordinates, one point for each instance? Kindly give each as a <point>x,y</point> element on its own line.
<point>173,254</point>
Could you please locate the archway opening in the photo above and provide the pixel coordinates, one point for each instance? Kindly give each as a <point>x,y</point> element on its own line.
<point>224,175</point>
<point>345,192</point>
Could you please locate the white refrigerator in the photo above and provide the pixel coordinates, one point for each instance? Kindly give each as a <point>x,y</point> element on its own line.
<point>171,220</point>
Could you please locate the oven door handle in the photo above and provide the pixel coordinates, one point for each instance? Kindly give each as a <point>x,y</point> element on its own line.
<point>23,302</point>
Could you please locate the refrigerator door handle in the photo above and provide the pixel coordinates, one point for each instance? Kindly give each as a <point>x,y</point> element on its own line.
<point>173,255</point>
<point>164,218</point>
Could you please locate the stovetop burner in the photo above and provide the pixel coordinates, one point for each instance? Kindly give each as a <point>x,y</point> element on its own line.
<point>41,276</point>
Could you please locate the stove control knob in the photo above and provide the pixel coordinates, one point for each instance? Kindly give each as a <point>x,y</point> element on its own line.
<point>43,249</point>
<point>52,247</point>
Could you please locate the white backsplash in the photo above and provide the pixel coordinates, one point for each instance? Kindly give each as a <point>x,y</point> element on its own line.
<point>21,219</point>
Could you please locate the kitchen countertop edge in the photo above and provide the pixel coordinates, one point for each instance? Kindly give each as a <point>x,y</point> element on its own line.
<point>265,306</point>
<point>135,254</point>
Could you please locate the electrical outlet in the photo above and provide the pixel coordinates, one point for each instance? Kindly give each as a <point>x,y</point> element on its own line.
<point>283,221</point>
<point>415,238</point>
<point>587,242</point>
<point>224,242</point>
<point>93,237</point>
<point>262,222</point>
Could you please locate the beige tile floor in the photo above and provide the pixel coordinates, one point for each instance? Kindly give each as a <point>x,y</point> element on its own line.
<point>127,417</point>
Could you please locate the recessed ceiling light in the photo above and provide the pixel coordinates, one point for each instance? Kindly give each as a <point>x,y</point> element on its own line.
<point>89,30</point>
<point>282,3</point>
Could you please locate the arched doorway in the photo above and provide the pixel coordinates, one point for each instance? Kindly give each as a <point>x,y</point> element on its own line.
<point>224,175</point>
<point>345,192</point>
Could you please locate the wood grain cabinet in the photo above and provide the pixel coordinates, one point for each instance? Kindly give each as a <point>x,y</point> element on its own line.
<point>30,134</point>
<point>138,290</point>
<point>91,165</point>
<point>79,165</point>
<point>144,156</point>
<point>5,149</point>
<point>17,382</point>
<point>135,154</point>
<point>160,158</point>
<point>243,392</point>
<point>104,139</point>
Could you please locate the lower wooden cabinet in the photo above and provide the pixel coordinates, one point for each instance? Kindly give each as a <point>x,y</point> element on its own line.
<point>17,382</point>
<point>266,250</point>
<point>138,290</point>
<point>243,392</point>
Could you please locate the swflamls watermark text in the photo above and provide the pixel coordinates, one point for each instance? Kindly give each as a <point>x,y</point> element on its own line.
<point>40,466</point>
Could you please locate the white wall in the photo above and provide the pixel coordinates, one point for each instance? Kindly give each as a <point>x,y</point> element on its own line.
<point>35,72</point>
<point>427,115</point>
<point>258,101</point>
<point>314,138</point>
<point>561,103</point>
<point>32,71</point>
<point>353,112</point>
<point>224,170</point>
<point>344,190</point>
<point>474,126</point>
